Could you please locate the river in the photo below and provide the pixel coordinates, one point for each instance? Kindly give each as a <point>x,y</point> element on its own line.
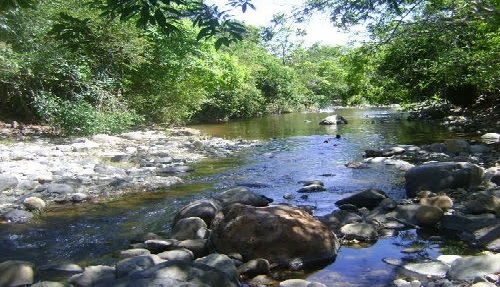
<point>294,148</point>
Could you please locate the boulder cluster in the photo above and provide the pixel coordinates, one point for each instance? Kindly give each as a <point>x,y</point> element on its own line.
<point>453,190</point>
<point>220,241</point>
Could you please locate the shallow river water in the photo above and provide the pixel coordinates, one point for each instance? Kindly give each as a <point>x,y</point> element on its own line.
<point>294,148</point>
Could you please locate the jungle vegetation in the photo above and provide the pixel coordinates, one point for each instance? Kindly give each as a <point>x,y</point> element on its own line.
<point>91,66</point>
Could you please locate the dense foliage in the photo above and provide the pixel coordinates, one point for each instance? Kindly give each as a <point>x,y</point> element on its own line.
<point>103,66</point>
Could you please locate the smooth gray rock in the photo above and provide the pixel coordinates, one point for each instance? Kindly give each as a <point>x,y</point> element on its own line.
<point>134,252</point>
<point>433,269</point>
<point>490,138</point>
<point>369,198</point>
<point>339,218</point>
<point>205,209</point>
<point>127,266</point>
<point>178,273</point>
<point>259,266</point>
<point>199,247</point>
<point>109,170</point>
<point>175,169</point>
<point>480,231</point>
<point>60,188</point>
<point>16,273</point>
<point>177,254</point>
<point>51,284</point>
<point>220,262</point>
<point>438,176</point>
<point>189,228</point>
<point>241,195</point>
<point>360,231</point>
<point>158,245</point>
<point>333,120</point>
<point>483,203</point>
<point>94,276</point>
<point>7,182</point>
<point>300,283</point>
<point>17,216</point>
<point>457,146</point>
<point>476,266</point>
<point>314,187</point>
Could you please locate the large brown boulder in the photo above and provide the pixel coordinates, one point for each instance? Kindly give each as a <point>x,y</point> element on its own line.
<point>284,235</point>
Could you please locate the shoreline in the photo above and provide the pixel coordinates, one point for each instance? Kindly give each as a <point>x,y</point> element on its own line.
<point>37,170</point>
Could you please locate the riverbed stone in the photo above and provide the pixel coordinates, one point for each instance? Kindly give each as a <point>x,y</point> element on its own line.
<point>17,216</point>
<point>432,269</point>
<point>16,273</point>
<point>441,201</point>
<point>199,247</point>
<point>7,181</point>
<point>159,245</point>
<point>490,138</point>
<point>300,283</point>
<point>94,276</point>
<point>129,265</point>
<point>482,203</point>
<point>205,209</point>
<point>479,149</point>
<point>477,231</point>
<point>427,215</point>
<point>109,170</point>
<point>242,195</point>
<point>177,254</point>
<point>312,188</point>
<point>60,188</point>
<point>189,228</point>
<point>438,176</point>
<point>34,204</point>
<point>369,198</point>
<point>475,266</point>
<point>457,146</point>
<point>175,169</point>
<point>221,262</point>
<point>180,273</point>
<point>62,270</point>
<point>259,266</point>
<point>339,218</point>
<point>134,252</point>
<point>359,231</point>
<point>281,234</point>
<point>51,284</point>
<point>333,120</point>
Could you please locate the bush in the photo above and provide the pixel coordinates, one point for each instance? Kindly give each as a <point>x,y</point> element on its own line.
<point>81,118</point>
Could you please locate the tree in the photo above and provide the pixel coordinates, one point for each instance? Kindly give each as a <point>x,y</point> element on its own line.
<point>428,48</point>
<point>168,15</point>
<point>322,71</point>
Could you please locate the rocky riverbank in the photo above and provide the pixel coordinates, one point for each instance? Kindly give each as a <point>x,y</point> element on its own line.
<point>239,238</point>
<point>38,170</point>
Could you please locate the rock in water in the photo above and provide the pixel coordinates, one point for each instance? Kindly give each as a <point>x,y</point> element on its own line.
<point>16,273</point>
<point>438,176</point>
<point>333,120</point>
<point>241,195</point>
<point>283,235</point>
<point>369,198</point>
